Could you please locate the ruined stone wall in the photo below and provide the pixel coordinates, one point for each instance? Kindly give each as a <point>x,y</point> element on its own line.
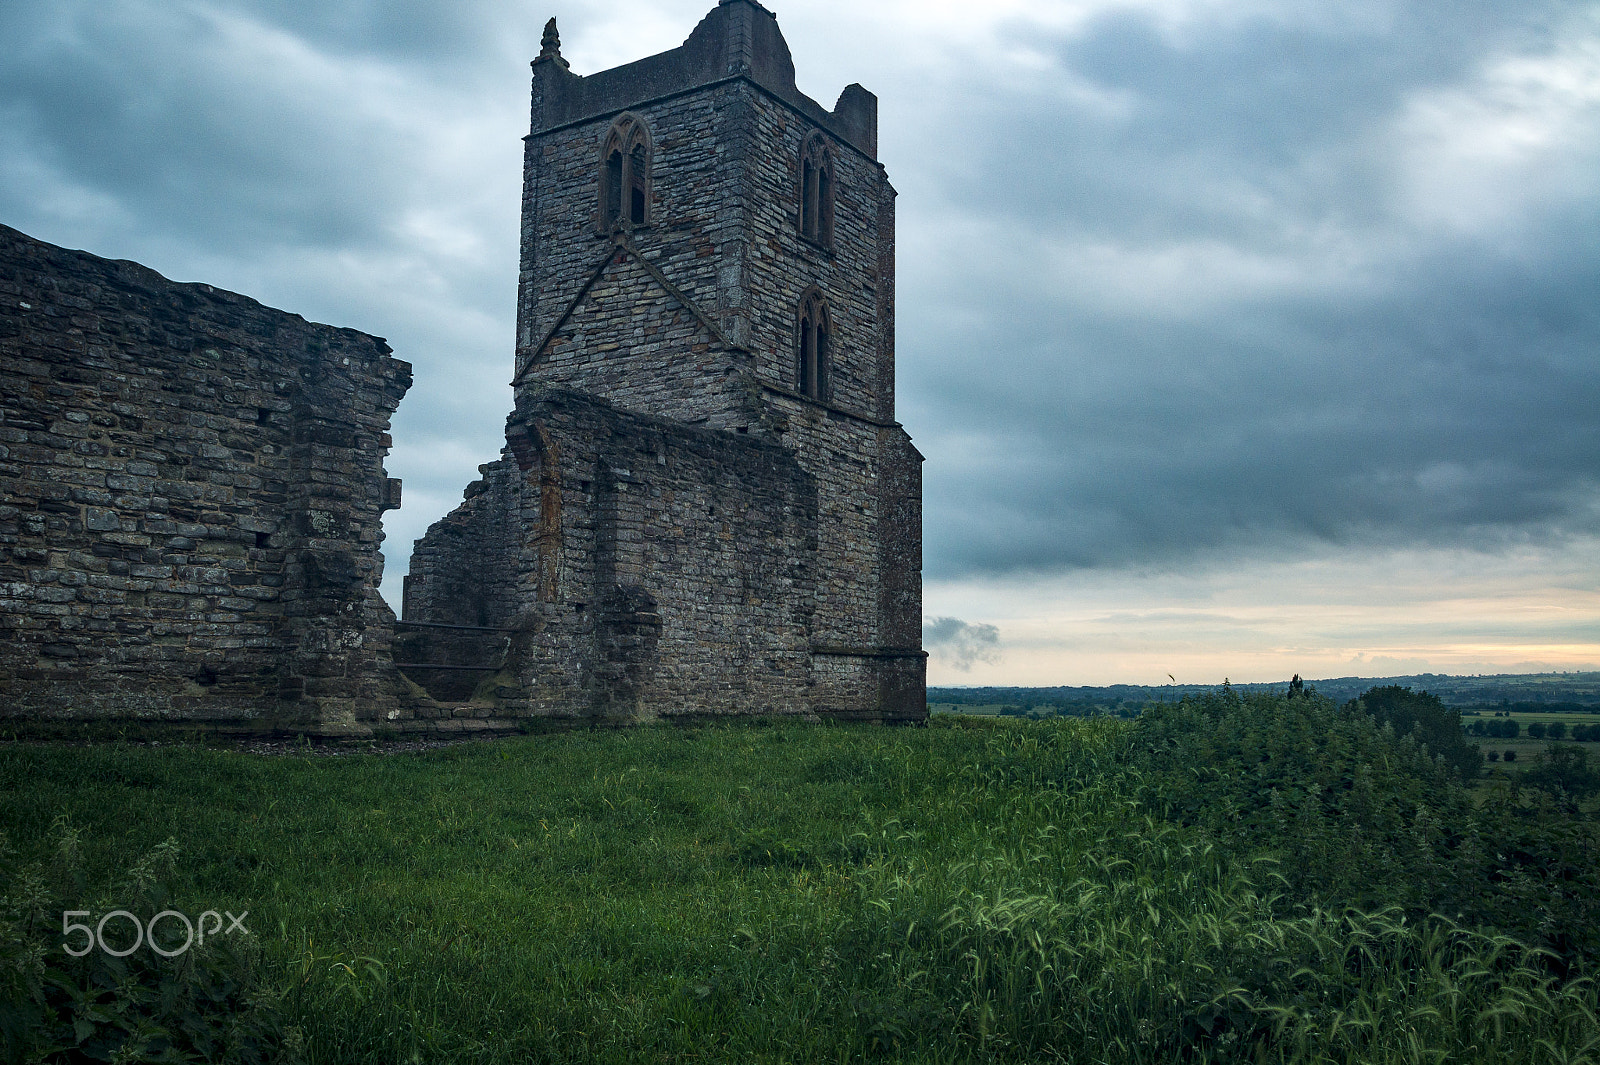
<point>457,569</point>
<point>665,570</point>
<point>463,590</point>
<point>868,588</point>
<point>902,671</point>
<point>190,493</point>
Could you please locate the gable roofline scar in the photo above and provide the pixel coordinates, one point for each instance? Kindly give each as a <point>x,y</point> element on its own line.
<point>561,320</point>
<point>621,243</point>
<point>683,298</point>
<point>829,406</point>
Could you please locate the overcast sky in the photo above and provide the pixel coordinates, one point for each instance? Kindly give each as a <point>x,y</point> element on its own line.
<point>1243,337</point>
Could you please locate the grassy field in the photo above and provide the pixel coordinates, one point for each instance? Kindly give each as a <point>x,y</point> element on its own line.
<point>967,892</point>
<point>1527,748</point>
<point>1526,719</point>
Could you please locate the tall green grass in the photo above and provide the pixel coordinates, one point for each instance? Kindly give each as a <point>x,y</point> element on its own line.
<point>791,893</point>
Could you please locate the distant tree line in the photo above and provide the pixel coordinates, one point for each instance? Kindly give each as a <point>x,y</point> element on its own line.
<point>1563,707</point>
<point>1504,728</point>
<point>1499,728</point>
<point>1515,693</point>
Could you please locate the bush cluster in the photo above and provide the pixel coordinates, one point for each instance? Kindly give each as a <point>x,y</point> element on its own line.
<point>1499,728</point>
<point>1362,816</point>
<point>206,1004</point>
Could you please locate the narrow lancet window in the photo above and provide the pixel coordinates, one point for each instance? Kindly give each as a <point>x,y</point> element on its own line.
<point>814,347</point>
<point>625,175</point>
<point>613,189</point>
<point>639,167</point>
<point>816,190</point>
<point>808,201</point>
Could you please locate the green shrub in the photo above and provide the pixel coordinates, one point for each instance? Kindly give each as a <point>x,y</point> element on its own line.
<point>1360,817</point>
<point>1424,717</point>
<point>1565,770</point>
<point>205,1004</point>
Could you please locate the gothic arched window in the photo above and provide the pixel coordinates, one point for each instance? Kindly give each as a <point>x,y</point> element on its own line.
<point>816,190</point>
<point>625,174</point>
<point>813,371</point>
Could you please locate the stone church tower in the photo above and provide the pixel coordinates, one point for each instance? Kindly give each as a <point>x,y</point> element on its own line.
<point>705,505</point>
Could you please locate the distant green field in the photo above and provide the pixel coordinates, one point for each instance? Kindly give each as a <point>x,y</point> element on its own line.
<point>1525,719</point>
<point>984,710</point>
<point>1569,719</point>
<point>1526,747</point>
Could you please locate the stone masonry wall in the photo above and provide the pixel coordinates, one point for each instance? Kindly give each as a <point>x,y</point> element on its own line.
<point>868,590</point>
<point>191,487</point>
<point>657,358</point>
<point>782,264</point>
<point>676,579</point>
<point>463,586</point>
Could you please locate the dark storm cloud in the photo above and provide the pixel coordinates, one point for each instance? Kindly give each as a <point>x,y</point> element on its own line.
<point>1453,411</point>
<point>1217,317</point>
<point>148,106</point>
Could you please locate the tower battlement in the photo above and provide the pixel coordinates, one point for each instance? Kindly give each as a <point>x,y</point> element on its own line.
<point>737,39</point>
